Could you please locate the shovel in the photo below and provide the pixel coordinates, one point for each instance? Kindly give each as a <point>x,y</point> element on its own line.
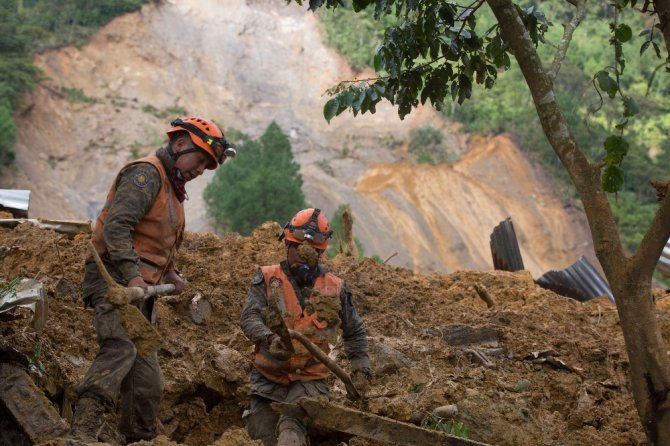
<point>276,322</point>
<point>143,334</point>
<point>119,295</point>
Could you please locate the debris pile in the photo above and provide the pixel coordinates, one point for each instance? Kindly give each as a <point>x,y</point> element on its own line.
<point>529,367</point>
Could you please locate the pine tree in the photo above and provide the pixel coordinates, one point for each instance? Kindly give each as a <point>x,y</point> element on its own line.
<point>262,183</point>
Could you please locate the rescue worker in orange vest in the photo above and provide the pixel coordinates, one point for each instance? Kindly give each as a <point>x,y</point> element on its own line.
<point>301,287</point>
<point>137,235</point>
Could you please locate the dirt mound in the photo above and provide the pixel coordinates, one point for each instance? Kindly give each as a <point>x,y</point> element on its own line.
<point>536,368</point>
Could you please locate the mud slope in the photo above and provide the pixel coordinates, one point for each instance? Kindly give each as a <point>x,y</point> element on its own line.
<point>555,370</point>
<point>245,63</point>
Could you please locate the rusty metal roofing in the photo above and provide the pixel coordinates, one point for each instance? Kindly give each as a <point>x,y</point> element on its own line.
<point>580,281</point>
<point>663,265</point>
<point>15,201</point>
<point>505,248</point>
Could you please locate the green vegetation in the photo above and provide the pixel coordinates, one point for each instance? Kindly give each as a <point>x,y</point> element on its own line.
<point>337,226</point>
<point>451,427</point>
<point>9,287</point>
<point>171,112</point>
<point>427,147</point>
<point>509,107</point>
<point>354,35</point>
<point>76,95</point>
<point>416,388</point>
<point>262,183</point>
<point>29,26</point>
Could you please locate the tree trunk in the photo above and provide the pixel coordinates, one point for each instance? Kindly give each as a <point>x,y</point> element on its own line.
<point>629,277</point>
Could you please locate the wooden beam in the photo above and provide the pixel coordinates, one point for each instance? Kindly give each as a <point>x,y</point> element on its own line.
<point>329,416</point>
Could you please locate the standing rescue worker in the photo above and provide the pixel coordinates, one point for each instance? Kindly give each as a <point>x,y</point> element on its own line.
<point>301,287</point>
<point>137,235</point>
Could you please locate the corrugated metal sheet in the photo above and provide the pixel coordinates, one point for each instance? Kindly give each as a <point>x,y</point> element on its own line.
<point>663,265</point>
<point>580,281</point>
<point>505,247</point>
<point>15,201</point>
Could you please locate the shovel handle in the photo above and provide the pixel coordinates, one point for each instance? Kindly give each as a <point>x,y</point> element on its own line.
<point>351,389</point>
<point>153,290</point>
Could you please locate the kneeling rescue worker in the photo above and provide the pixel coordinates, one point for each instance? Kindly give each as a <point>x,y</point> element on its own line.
<point>137,235</point>
<point>311,301</point>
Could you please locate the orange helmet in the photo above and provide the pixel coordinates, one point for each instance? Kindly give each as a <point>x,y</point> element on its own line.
<point>308,225</point>
<point>207,136</point>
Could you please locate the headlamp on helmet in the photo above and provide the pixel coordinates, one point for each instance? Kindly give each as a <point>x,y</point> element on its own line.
<point>309,226</point>
<point>207,137</point>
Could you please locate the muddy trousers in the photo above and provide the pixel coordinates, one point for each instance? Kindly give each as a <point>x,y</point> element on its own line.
<point>264,424</point>
<point>119,375</point>
<point>272,428</point>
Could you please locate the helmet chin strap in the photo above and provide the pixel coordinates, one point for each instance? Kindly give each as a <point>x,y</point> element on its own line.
<point>175,155</point>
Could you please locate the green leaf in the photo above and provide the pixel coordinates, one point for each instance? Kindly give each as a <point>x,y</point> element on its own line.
<point>360,97</point>
<point>606,83</point>
<point>330,109</point>
<point>657,50</point>
<point>630,107</point>
<point>612,179</point>
<point>623,33</point>
<point>644,46</point>
<point>616,148</point>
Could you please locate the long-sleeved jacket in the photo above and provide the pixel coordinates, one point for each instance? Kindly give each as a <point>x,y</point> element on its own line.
<point>254,325</point>
<point>133,199</point>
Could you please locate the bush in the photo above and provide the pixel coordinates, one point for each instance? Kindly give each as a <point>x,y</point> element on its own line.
<point>427,147</point>
<point>262,183</point>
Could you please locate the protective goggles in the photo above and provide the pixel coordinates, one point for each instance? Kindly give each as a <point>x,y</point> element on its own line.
<point>222,149</point>
<point>309,234</point>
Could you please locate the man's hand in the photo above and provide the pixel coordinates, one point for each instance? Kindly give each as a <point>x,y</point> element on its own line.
<point>278,349</point>
<point>175,279</point>
<point>138,282</point>
<point>361,379</point>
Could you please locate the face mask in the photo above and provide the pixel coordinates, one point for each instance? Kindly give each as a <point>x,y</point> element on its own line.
<point>303,274</point>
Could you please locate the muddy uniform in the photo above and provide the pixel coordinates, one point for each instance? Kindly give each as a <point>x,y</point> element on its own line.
<point>261,421</point>
<point>118,369</point>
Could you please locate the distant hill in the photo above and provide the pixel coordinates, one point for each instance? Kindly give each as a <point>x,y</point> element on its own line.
<point>247,63</point>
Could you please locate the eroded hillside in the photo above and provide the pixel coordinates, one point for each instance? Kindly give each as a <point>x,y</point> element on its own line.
<point>551,370</point>
<point>245,63</point>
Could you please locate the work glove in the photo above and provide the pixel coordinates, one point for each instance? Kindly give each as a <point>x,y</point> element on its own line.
<point>278,349</point>
<point>361,379</point>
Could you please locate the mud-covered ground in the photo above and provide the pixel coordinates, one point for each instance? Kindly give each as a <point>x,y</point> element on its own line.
<point>548,370</point>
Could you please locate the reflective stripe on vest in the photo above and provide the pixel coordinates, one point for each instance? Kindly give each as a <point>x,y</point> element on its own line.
<point>302,366</point>
<point>157,235</point>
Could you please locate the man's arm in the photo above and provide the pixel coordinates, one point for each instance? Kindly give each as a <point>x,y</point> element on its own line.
<point>354,336</point>
<point>136,189</point>
<point>252,321</point>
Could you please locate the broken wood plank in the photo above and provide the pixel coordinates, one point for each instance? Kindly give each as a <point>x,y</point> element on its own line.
<point>70,227</point>
<point>329,416</point>
<point>458,334</point>
<point>33,411</point>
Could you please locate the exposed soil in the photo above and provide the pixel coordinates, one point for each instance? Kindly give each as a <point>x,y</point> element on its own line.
<point>266,61</point>
<point>550,371</point>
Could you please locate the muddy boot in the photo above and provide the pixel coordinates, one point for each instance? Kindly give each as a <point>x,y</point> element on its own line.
<point>291,433</point>
<point>87,419</point>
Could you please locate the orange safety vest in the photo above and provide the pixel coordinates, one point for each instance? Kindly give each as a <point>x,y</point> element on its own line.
<point>158,234</point>
<point>302,366</point>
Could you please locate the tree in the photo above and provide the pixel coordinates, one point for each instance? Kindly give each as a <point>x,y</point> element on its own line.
<point>435,53</point>
<point>262,183</point>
